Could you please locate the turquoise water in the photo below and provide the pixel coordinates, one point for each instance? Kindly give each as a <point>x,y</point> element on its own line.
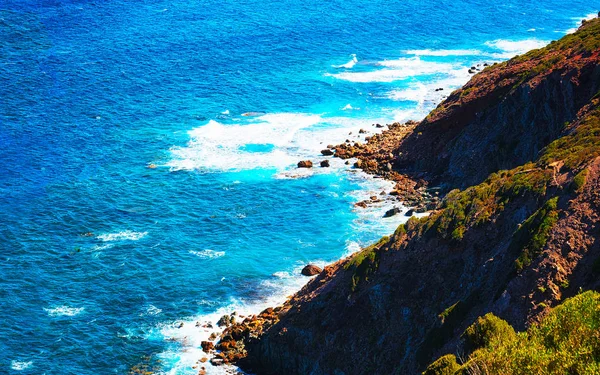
<point>102,257</point>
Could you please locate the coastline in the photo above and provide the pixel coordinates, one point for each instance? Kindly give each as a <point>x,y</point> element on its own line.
<point>375,157</point>
<point>392,196</point>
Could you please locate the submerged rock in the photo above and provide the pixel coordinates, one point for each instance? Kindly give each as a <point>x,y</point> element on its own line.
<point>311,270</point>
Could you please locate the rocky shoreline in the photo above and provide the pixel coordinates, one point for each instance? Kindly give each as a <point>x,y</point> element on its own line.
<point>376,157</point>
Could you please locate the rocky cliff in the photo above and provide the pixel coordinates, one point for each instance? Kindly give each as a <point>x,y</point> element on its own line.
<point>520,146</point>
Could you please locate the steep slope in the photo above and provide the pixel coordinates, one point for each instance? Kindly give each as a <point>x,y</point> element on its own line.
<point>526,133</point>
<point>505,115</point>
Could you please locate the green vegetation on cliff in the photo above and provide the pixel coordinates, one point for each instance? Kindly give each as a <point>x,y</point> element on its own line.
<point>365,263</point>
<point>532,235</point>
<point>566,341</point>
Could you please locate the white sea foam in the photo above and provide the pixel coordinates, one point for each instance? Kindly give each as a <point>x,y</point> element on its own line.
<point>426,95</point>
<point>122,236</point>
<point>395,70</point>
<point>349,65</point>
<point>21,365</point>
<point>272,141</point>
<point>225,112</point>
<point>207,254</point>
<point>444,52</point>
<point>153,310</point>
<point>579,20</point>
<point>220,147</point>
<point>64,311</point>
<point>511,48</point>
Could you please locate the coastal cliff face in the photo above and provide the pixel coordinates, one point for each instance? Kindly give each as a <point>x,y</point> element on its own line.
<point>522,141</point>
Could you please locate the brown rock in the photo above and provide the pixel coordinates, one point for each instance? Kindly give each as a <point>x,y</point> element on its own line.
<point>326,152</point>
<point>325,163</point>
<point>311,270</point>
<point>305,164</point>
<point>207,346</point>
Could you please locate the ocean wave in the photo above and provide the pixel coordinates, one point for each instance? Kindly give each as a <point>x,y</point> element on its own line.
<point>64,311</point>
<point>512,48</point>
<point>579,20</point>
<point>220,147</point>
<point>21,365</point>
<point>444,52</point>
<point>349,65</point>
<point>272,141</point>
<point>121,236</point>
<point>207,254</point>
<point>428,94</point>
<point>152,310</point>
<point>396,70</point>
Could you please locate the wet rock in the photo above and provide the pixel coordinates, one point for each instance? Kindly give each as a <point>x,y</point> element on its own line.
<point>207,346</point>
<point>362,131</point>
<point>305,164</point>
<point>362,204</point>
<point>311,270</point>
<point>225,321</point>
<point>378,126</point>
<point>217,361</point>
<point>326,152</point>
<point>358,164</point>
<point>409,212</point>
<point>325,163</point>
<point>392,212</point>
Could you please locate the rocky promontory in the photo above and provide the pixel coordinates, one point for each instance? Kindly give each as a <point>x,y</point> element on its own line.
<point>515,158</point>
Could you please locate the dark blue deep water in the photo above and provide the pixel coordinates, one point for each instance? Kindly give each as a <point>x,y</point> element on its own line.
<point>148,150</point>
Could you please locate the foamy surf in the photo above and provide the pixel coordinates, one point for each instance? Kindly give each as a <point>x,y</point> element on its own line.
<point>271,141</point>
<point>21,365</point>
<point>207,254</point>
<point>512,48</point>
<point>349,65</point>
<point>395,70</point>
<point>126,235</point>
<point>578,22</point>
<point>64,310</point>
<point>443,52</point>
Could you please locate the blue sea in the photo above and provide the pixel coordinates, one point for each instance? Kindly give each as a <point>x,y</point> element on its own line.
<point>148,152</point>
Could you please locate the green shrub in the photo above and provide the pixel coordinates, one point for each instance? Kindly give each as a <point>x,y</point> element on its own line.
<point>487,329</point>
<point>579,181</point>
<point>364,263</point>
<point>445,365</point>
<point>567,341</point>
<point>533,234</point>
